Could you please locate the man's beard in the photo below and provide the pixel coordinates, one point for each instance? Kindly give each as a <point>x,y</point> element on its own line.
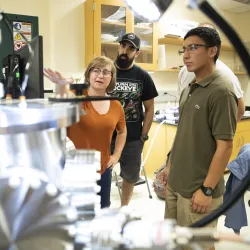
<point>124,63</point>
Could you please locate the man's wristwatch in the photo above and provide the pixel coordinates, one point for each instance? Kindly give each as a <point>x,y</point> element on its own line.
<point>144,137</point>
<point>208,191</point>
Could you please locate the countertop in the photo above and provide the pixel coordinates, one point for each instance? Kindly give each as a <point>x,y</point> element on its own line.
<point>168,123</point>
<point>245,117</point>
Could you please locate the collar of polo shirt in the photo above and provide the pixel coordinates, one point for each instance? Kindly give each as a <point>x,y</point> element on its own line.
<point>207,80</point>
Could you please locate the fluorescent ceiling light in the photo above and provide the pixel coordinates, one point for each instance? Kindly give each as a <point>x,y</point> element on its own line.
<point>150,10</point>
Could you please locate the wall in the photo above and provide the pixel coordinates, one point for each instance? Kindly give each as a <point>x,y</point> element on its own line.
<point>33,8</point>
<point>243,22</point>
<point>61,23</point>
<point>243,25</point>
<point>67,36</point>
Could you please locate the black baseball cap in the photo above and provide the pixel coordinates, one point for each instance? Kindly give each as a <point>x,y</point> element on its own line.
<point>132,38</point>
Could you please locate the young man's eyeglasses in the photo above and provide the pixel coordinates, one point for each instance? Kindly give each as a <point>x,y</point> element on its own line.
<point>192,47</point>
<point>105,72</point>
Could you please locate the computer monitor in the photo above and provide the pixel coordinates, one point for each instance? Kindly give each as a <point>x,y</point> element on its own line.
<point>35,87</point>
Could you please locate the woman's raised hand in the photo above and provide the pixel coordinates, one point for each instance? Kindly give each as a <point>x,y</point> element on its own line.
<point>56,77</point>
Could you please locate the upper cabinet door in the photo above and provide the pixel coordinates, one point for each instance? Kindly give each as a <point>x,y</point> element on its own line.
<point>147,32</point>
<point>112,20</point>
<point>106,21</point>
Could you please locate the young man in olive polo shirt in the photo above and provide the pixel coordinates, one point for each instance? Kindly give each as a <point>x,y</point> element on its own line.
<point>204,138</point>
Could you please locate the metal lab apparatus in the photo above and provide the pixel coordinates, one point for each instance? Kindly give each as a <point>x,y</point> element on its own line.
<point>32,135</point>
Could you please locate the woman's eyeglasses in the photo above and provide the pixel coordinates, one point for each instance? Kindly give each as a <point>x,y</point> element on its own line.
<point>192,47</point>
<point>105,72</point>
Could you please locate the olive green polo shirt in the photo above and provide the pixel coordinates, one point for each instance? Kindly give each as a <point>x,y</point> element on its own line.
<point>208,112</point>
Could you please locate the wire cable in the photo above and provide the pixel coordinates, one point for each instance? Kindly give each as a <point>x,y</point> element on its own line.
<point>166,93</point>
<point>10,76</point>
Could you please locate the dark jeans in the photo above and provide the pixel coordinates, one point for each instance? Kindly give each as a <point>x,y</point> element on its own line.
<point>105,184</point>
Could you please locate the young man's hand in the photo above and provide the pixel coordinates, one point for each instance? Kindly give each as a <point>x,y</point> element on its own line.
<point>200,202</point>
<point>163,175</point>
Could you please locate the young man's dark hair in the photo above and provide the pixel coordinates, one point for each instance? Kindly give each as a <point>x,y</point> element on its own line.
<point>206,24</point>
<point>210,36</point>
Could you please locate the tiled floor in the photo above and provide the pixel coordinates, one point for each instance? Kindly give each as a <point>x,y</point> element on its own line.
<point>154,209</point>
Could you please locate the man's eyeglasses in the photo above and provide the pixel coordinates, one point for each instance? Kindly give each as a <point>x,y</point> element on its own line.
<point>192,47</point>
<point>105,72</point>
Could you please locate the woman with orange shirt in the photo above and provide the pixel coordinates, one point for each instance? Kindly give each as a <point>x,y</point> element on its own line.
<point>95,129</point>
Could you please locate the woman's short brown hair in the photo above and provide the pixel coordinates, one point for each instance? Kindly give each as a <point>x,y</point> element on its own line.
<point>101,62</point>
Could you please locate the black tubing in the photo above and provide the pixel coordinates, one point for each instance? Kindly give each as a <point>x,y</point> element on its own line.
<point>207,9</point>
<point>10,77</point>
<point>82,99</point>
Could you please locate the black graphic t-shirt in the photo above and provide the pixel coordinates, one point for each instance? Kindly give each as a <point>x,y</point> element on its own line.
<point>134,86</point>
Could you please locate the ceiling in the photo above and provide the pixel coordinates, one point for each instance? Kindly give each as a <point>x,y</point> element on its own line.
<point>235,6</point>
